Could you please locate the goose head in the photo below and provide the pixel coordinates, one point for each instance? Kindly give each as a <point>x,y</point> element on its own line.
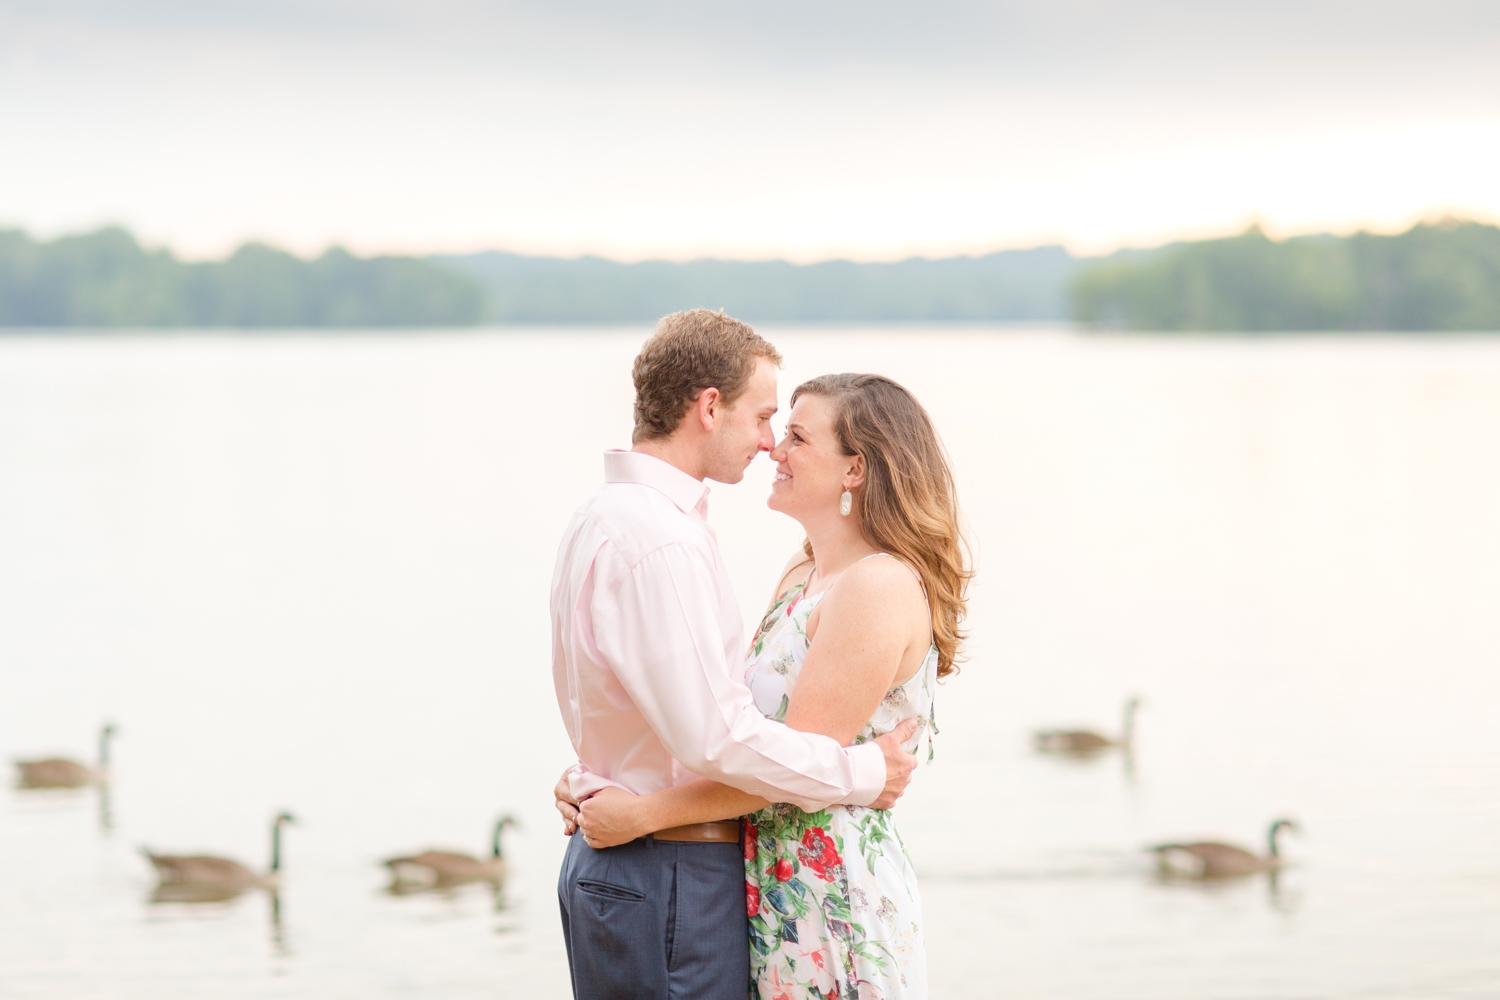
<point>505,821</point>
<point>282,819</point>
<point>1275,831</point>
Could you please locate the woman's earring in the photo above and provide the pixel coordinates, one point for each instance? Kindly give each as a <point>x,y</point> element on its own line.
<point>846,503</point>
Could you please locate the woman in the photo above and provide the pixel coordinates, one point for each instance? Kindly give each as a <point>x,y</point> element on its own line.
<point>863,622</point>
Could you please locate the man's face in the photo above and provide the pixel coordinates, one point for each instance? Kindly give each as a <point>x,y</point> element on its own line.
<point>743,430</point>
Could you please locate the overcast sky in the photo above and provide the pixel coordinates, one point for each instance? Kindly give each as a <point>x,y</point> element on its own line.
<point>871,130</point>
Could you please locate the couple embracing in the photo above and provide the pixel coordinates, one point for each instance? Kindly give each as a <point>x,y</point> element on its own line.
<point>729,812</point>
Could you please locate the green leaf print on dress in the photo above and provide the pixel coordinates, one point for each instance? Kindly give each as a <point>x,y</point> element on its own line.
<point>773,617</point>
<point>831,895</point>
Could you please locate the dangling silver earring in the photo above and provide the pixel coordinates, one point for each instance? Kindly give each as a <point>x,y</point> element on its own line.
<point>846,503</point>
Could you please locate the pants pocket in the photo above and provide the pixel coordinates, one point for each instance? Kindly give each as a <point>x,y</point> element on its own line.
<point>615,941</point>
<point>593,887</point>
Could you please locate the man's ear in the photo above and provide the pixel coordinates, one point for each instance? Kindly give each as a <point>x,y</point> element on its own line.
<point>706,408</point>
<point>854,478</point>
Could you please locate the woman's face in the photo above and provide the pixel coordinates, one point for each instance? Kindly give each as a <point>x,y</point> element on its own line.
<point>811,468</point>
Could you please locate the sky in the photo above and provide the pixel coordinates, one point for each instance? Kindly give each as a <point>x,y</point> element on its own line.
<point>671,128</point>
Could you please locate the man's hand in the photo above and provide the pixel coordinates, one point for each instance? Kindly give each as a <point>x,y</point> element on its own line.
<point>567,805</point>
<point>899,764</point>
<point>610,817</point>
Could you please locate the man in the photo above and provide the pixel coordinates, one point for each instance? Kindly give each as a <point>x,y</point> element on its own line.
<point>647,654</point>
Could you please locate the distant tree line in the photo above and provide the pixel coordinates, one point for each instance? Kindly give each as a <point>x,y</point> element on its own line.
<point>106,278</point>
<point>1013,285</point>
<point>1442,276</point>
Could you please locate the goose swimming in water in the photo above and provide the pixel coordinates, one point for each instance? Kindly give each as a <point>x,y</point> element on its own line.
<point>1210,859</point>
<point>208,872</point>
<point>452,867</point>
<point>59,772</point>
<point>1083,742</point>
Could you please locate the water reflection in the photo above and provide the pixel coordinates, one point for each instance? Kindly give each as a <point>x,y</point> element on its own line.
<point>201,879</point>
<point>178,893</point>
<point>207,895</point>
<point>1283,892</point>
<point>452,890</point>
<point>1305,522</point>
<point>445,888</point>
<point>106,813</point>
<point>1281,897</point>
<point>278,935</point>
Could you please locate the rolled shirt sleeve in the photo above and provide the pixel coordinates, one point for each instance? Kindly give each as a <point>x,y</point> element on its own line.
<point>674,672</point>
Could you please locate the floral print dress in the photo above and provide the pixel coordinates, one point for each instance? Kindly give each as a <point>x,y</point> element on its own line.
<point>832,896</point>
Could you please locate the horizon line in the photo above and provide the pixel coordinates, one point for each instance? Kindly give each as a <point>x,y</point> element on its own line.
<point>1276,234</point>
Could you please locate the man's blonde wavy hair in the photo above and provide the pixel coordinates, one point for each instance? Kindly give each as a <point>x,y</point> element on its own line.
<point>689,352</point>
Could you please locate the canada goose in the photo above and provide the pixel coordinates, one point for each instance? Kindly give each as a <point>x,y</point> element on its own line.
<point>207,875</point>
<point>1082,743</point>
<point>451,867</point>
<point>1207,859</point>
<point>58,772</point>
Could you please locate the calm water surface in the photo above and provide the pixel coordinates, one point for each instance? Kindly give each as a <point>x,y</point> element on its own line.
<point>311,573</point>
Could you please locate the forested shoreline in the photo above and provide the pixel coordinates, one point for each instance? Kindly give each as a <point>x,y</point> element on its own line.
<point>107,279</point>
<point>1435,276</point>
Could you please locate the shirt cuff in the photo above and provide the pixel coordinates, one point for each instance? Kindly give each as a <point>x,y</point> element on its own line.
<point>582,782</point>
<point>869,774</point>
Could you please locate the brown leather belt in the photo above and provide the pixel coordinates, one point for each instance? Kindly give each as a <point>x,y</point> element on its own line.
<point>723,832</point>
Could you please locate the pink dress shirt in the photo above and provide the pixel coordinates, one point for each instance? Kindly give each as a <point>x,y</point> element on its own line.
<point>648,649</point>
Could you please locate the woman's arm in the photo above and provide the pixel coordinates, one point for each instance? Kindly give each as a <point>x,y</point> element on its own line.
<point>612,816</point>
<point>863,636</point>
<point>869,632</point>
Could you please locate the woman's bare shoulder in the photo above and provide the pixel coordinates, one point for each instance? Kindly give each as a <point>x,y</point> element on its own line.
<point>881,586</point>
<point>877,606</point>
<point>884,568</point>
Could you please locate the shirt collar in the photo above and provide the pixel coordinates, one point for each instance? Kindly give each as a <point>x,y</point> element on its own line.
<point>682,489</point>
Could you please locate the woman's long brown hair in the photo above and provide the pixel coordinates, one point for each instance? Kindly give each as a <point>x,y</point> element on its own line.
<point>907,505</point>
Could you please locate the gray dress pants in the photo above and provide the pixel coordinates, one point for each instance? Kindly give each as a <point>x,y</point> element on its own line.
<point>655,920</point>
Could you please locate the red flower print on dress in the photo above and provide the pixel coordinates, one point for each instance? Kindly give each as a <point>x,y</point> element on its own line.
<point>751,839</point>
<point>818,853</point>
<point>752,898</point>
<point>783,870</point>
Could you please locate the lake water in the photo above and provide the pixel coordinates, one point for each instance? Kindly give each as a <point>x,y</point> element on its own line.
<point>311,572</point>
